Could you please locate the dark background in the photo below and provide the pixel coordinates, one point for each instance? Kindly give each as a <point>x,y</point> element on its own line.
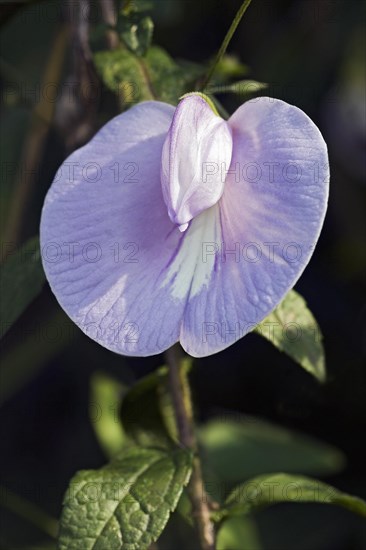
<point>311,52</point>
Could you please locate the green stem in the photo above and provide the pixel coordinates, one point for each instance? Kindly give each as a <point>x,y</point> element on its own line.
<point>29,511</point>
<point>182,403</point>
<point>226,42</point>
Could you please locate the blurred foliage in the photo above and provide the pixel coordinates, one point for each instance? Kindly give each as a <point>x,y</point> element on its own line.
<point>267,490</point>
<point>21,280</point>
<point>153,76</point>
<point>105,398</point>
<point>135,30</point>
<point>147,412</point>
<point>238,533</point>
<point>37,344</point>
<point>235,451</point>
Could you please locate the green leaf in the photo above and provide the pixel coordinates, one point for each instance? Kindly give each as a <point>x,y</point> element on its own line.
<point>237,533</point>
<point>136,30</point>
<point>154,76</point>
<point>141,412</point>
<point>125,505</point>
<point>192,72</point>
<point>170,80</point>
<point>129,6</point>
<point>184,509</point>
<point>229,67</point>
<point>242,88</point>
<point>239,450</point>
<point>292,328</point>
<point>147,413</point>
<point>267,490</point>
<point>123,73</point>
<point>21,280</point>
<point>104,405</point>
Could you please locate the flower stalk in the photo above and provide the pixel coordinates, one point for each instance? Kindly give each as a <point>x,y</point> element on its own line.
<point>182,404</point>
<point>243,8</point>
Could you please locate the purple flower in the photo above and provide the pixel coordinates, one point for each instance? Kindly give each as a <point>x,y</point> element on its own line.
<point>175,225</point>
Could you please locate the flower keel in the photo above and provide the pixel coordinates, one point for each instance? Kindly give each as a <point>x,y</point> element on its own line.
<point>195,159</point>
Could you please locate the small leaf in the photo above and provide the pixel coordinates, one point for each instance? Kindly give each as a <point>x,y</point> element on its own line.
<point>136,30</point>
<point>228,67</point>
<point>21,280</point>
<point>141,412</point>
<point>129,6</point>
<point>237,533</point>
<point>192,72</point>
<point>147,413</point>
<point>266,490</point>
<point>154,76</point>
<point>239,450</point>
<point>242,88</point>
<point>170,80</point>
<point>104,405</point>
<point>292,328</point>
<point>125,505</point>
<point>184,509</point>
<point>123,74</point>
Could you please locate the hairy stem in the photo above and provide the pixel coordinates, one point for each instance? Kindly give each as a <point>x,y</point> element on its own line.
<point>226,42</point>
<point>182,403</point>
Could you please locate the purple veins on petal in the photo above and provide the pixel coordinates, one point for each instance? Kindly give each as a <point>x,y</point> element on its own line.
<point>210,240</point>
